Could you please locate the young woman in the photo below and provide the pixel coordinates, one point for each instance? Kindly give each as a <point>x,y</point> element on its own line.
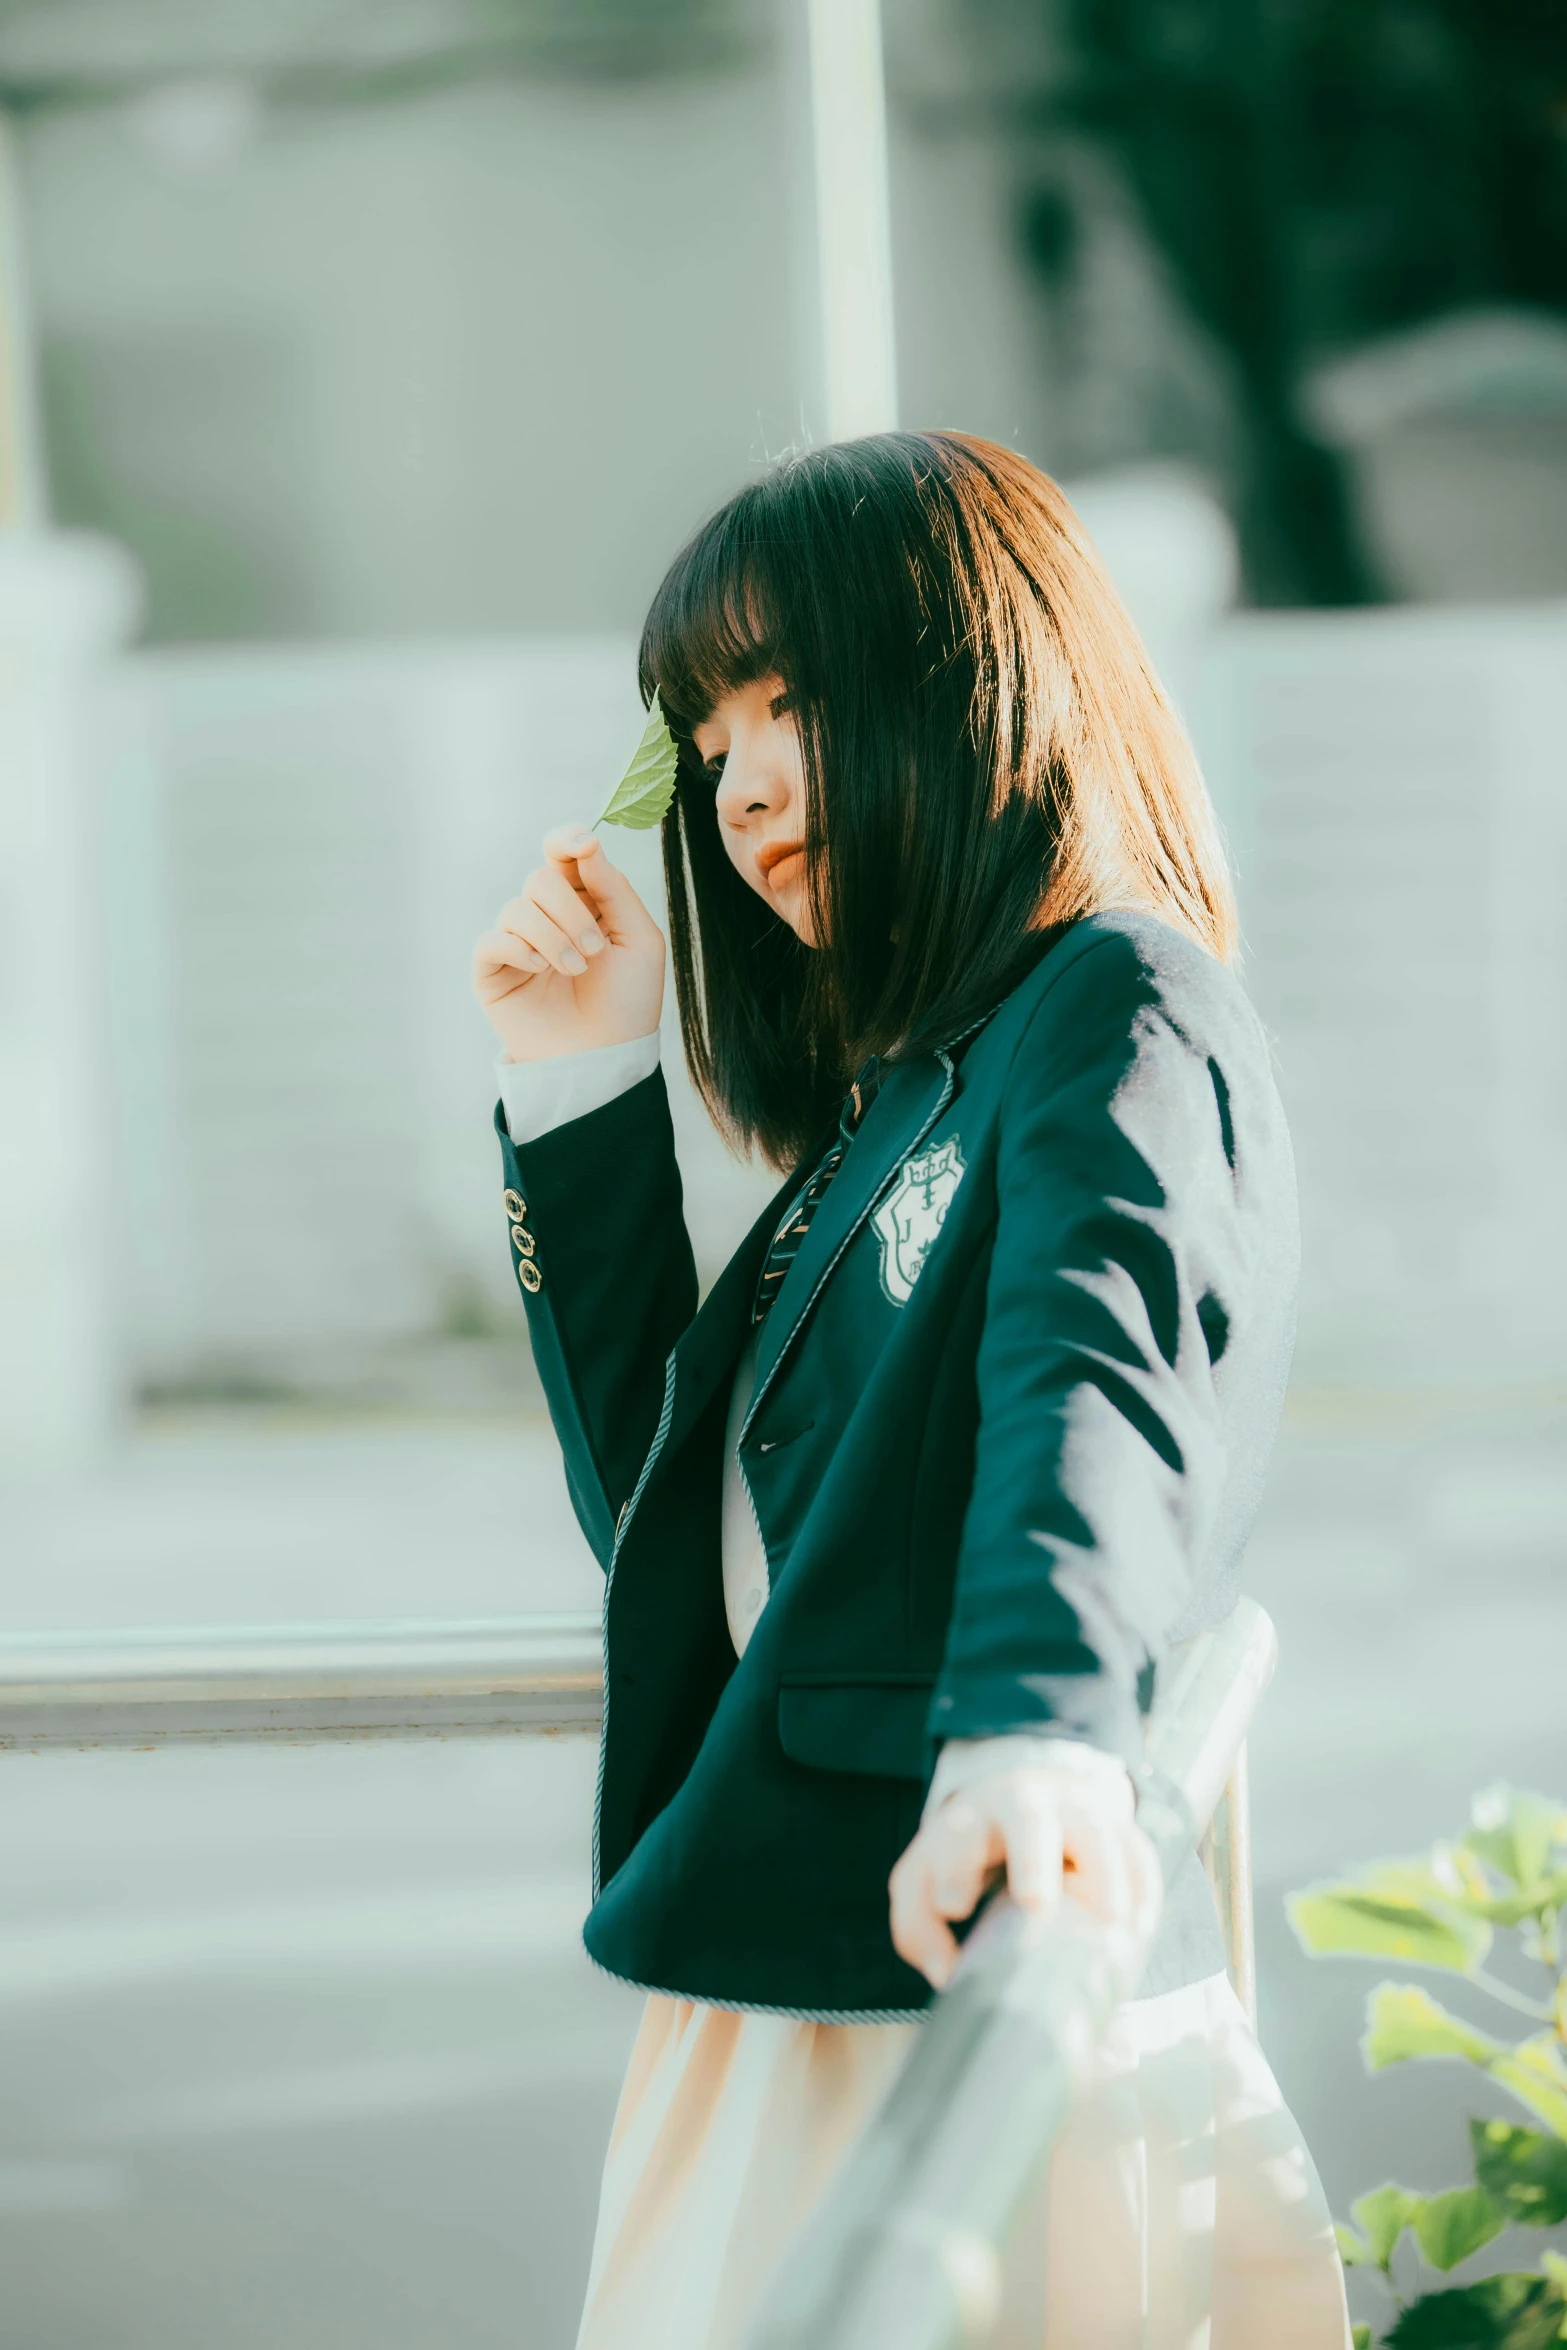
<point>899,1523</point>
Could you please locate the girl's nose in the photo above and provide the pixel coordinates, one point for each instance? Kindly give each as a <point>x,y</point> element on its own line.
<point>752,785</point>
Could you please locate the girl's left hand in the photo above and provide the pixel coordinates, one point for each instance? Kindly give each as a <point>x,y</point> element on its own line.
<point>1057,1830</point>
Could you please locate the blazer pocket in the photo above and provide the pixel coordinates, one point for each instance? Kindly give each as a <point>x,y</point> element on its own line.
<point>873,1725</point>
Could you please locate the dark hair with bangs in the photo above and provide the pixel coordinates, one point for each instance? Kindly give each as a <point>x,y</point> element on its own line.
<point>987,753</point>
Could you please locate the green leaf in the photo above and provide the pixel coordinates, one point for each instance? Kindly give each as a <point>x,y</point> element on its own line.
<point>1523,2169</point>
<point>1353,2249</point>
<point>1514,1834</point>
<point>1403,2021</point>
<point>1555,2268</point>
<point>1388,1924</point>
<point>1360,2336</point>
<point>1448,1875</point>
<point>1516,2312</point>
<point>1449,2227</point>
<point>1452,1879</point>
<point>1510,1909</point>
<point>1384,2214</point>
<point>641,797</point>
<point>1537,2077</point>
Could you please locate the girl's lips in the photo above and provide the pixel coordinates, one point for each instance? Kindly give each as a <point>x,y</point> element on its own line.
<point>780,861</point>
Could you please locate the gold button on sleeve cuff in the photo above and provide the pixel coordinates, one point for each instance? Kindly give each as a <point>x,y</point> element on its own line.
<point>523,1242</point>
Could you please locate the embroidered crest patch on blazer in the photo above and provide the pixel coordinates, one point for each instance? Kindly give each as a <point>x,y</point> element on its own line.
<point>913,1212</point>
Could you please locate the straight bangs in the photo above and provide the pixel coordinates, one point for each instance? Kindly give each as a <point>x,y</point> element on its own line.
<point>987,753</point>
<point>715,624</point>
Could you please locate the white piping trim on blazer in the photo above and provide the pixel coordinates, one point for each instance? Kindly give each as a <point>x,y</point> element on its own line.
<point>802,2015</point>
<point>622,1528</point>
<point>761,1538</point>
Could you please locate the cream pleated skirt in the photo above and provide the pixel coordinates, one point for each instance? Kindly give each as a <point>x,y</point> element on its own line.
<point>1182,2210</point>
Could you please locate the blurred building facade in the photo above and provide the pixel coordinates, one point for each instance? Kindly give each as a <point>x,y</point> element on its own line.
<point>400,354</point>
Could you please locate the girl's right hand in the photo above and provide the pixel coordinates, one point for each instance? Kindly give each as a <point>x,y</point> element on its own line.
<point>1059,1829</point>
<point>574,962</point>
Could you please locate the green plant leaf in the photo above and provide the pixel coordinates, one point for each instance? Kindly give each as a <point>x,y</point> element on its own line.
<point>1453,1879</point>
<point>1360,2336</point>
<point>1348,1920</point>
<point>1525,2171</point>
<point>1403,2021</point>
<point>1448,1875</point>
<point>642,796</point>
<point>1514,1833</point>
<point>1449,2227</point>
<point>1537,2077</point>
<point>1353,2249</point>
<point>1515,2312</point>
<point>1510,1909</point>
<point>1383,2215</point>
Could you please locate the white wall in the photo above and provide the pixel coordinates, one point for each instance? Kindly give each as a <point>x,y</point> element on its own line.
<point>65,605</point>
<point>311,839</point>
<point>1395,785</point>
<point>472,362</point>
<point>476,361</point>
<point>971,341</point>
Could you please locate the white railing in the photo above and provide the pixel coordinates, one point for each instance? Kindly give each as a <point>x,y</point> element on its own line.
<point>301,1681</point>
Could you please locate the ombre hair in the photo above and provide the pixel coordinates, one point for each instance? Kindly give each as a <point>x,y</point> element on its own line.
<point>988,756</point>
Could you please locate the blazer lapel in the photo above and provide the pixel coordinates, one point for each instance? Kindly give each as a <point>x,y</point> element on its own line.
<point>912,1097</point>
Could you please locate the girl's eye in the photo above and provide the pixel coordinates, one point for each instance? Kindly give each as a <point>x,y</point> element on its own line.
<point>781,704</point>
<point>713,768</point>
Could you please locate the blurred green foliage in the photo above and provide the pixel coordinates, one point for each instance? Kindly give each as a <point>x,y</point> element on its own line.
<point>1507,1872</point>
<point>1314,173</point>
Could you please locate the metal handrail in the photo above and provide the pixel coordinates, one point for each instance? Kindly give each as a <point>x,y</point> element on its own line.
<point>413,1678</point>
<point>905,2251</point>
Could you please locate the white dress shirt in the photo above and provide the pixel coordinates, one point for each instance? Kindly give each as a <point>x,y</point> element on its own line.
<point>540,1095</point>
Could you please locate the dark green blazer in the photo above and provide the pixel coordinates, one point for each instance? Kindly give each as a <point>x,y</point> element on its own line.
<point>1013,1409</point>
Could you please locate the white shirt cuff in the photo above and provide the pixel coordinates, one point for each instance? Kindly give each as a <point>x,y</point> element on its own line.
<point>538,1096</point>
<point>962,1762</point>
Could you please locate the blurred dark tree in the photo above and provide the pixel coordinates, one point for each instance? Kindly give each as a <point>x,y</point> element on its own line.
<point>1313,172</point>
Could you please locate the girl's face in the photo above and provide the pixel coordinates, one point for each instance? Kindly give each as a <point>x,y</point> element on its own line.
<point>750,746</point>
